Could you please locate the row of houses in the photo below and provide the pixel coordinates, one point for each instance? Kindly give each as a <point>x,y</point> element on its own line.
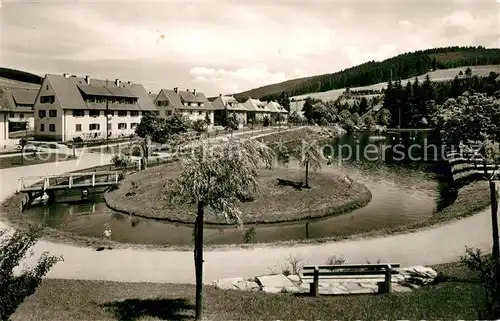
<point>65,107</point>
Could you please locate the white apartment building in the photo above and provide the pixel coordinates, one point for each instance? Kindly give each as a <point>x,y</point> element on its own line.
<point>191,104</point>
<point>68,106</point>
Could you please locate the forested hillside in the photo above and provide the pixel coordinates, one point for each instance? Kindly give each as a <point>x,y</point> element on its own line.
<point>402,66</point>
<point>18,75</point>
<point>413,105</point>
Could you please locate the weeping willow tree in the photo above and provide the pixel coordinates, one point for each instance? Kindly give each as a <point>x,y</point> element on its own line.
<point>216,177</point>
<point>310,158</point>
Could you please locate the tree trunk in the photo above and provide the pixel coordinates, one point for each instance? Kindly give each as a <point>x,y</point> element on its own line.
<point>307,173</point>
<point>494,223</point>
<point>198,259</point>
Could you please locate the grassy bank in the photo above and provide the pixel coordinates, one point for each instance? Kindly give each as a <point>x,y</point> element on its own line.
<point>98,300</point>
<point>329,195</point>
<point>30,159</point>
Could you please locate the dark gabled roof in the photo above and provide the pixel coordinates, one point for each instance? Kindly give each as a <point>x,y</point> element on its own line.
<point>24,96</point>
<point>189,97</point>
<point>69,93</point>
<point>229,103</point>
<point>12,99</point>
<point>120,92</point>
<point>176,100</point>
<point>106,91</point>
<point>94,90</point>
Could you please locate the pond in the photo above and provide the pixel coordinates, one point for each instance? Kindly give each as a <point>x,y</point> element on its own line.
<point>403,193</point>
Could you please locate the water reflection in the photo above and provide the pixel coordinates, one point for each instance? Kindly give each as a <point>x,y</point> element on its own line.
<point>401,195</point>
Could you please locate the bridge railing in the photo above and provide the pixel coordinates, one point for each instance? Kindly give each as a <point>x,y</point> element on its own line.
<point>45,182</point>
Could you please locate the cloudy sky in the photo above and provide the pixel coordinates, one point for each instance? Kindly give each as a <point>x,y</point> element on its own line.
<point>230,46</point>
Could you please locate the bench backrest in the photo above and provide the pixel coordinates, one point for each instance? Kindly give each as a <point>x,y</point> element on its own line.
<point>349,269</point>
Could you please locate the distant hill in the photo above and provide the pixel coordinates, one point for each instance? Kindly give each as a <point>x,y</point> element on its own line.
<point>438,75</point>
<point>17,75</point>
<point>403,66</point>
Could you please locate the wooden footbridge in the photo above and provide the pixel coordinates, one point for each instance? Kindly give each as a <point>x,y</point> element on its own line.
<point>37,186</point>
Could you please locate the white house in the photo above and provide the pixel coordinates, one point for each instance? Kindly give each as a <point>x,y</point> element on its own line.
<point>16,104</point>
<point>277,109</point>
<point>258,109</point>
<point>4,129</point>
<point>68,106</point>
<point>224,105</point>
<point>192,104</point>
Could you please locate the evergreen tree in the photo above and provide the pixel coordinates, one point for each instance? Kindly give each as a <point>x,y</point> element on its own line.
<point>363,105</point>
<point>468,72</point>
<point>434,64</point>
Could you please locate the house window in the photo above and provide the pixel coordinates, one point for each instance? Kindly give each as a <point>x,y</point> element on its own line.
<point>78,127</point>
<point>47,99</point>
<point>94,113</point>
<point>47,87</point>
<point>78,113</point>
<point>122,126</point>
<point>42,113</point>
<point>133,125</point>
<point>199,104</point>
<point>21,115</point>
<point>94,126</point>
<point>12,115</point>
<point>200,113</point>
<point>52,113</point>
<point>110,113</point>
<point>168,112</point>
<point>122,113</point>
<point>52,127</point>
<point>134,113</point>
<point>42,127</point>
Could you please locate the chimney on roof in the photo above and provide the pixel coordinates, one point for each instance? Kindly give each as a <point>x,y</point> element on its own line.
<point>187,90</point>
<point>129,82</point>
<point>194,91</point>
<point>117,82</point>
<point>66,75</point>
<point>220,95</point>
<point>87,80</point>
<point>176,89</point>
<point>74,76</point>
<point>150,93</point>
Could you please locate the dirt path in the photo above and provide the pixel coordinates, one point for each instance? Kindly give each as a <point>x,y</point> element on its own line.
<point>439,244</point>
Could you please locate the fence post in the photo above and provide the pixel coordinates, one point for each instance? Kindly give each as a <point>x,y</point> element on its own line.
<point>46,183</point>
<point>19,184</point>
<point>93,179</point>
<point>70,180</point>
<point>315,284</point>
<point>388,278</point>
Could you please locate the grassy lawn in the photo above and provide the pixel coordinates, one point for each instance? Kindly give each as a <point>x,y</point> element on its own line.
<point>29,159</point>
<point>329,195</point>
<point>98,300</point>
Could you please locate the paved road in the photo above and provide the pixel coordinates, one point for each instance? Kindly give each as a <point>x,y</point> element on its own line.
<point>440,244</point>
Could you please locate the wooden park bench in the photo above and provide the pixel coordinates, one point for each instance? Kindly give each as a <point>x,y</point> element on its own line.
<point>314,273</point>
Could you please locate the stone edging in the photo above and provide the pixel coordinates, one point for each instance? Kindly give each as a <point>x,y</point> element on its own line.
<point>409,278</point>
